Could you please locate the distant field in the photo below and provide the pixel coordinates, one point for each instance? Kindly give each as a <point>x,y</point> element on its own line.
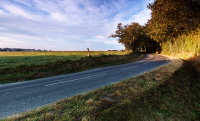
<point>12,59</point>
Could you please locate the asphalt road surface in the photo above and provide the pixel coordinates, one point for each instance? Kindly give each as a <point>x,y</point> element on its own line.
<point>23,96</point>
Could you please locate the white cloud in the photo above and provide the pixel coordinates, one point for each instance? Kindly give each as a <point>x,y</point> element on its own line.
<point>142,17</point>
<point>24,2</point>
<point>100,37</point>
<point>112,42</point>
<point>74,23</point>
<point>58,16</point>
<point>6,39</point>
<point>15,10</point>
<point>47,6</point>
<point>1,11</point>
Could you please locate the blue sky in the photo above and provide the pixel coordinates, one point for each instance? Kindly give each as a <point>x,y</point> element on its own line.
<point>67,25</point>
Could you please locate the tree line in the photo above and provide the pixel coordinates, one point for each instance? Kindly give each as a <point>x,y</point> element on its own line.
<point>169,20</point>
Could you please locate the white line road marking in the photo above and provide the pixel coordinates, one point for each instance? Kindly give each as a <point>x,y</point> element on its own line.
<point>147,62</point>
<point>74,79</point>
<point>151,61</point>
<point>155,58</point>
<point>128,67</point>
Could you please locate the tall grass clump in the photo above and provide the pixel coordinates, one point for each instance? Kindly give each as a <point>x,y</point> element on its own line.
<point>185,46</point>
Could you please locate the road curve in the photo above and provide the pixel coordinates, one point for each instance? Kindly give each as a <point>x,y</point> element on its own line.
<point>23,96</point>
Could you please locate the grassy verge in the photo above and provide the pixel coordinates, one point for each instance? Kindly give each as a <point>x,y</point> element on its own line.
<point>171,92</point>
<point>189,57</point>
<point>38,65</point>
<point>195,61</point>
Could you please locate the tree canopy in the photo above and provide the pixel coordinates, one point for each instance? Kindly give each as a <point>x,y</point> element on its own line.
<point>133,37</point>
<point>129,35</point>
<point>170,18</point>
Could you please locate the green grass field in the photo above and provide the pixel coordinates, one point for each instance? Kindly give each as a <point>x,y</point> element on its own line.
<point>12,59</point>
<point>22,66</point>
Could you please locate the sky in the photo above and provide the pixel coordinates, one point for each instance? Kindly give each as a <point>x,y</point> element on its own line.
<point>67,25</point>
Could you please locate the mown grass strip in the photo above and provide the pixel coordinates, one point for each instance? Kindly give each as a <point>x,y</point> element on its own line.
<point>24,72</point>
<point>170,92</point>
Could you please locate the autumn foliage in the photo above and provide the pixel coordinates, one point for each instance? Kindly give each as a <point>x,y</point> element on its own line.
<point>172,23</point>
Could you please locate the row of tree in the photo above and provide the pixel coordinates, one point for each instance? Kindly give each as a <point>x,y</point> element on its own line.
<point>169,19</point>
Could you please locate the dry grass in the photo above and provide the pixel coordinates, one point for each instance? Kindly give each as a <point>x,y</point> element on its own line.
<point>89,102</point>
<point>170,92</point>
<point>189,56</point>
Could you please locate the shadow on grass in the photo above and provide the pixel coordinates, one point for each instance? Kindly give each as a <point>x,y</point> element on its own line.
<point>176,98</point>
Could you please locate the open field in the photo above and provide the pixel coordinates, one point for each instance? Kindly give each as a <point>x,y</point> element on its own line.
<point>170,92</point>
<point>12,59</point>
<point>21,66</point>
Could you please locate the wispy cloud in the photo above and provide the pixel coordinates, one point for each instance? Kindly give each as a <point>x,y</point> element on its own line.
<point>100,37</point>
<point>14,10</point>
<point>67,24</point>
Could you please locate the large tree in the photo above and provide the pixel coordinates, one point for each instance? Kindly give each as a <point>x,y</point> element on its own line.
<point>129,35</point>
<point>170,18</point>
<point>134,37</point>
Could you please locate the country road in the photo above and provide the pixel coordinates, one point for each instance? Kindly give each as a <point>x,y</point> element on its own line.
<point>23,96</point>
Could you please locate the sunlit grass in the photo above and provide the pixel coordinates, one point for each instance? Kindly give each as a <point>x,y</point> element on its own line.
<point>58,53</point>
<point>12,59</point>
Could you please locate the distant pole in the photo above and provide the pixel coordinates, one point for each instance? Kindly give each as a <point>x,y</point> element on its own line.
<point>88,51</point>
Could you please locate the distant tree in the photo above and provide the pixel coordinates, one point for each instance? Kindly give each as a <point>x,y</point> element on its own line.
<point>170,18</point>
<point>18,50</point>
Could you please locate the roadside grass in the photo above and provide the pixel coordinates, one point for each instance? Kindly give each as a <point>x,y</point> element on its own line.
<point>191,57</point>
<point>171,92</point>
<point>22,66</point>
<point>195,61</point>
